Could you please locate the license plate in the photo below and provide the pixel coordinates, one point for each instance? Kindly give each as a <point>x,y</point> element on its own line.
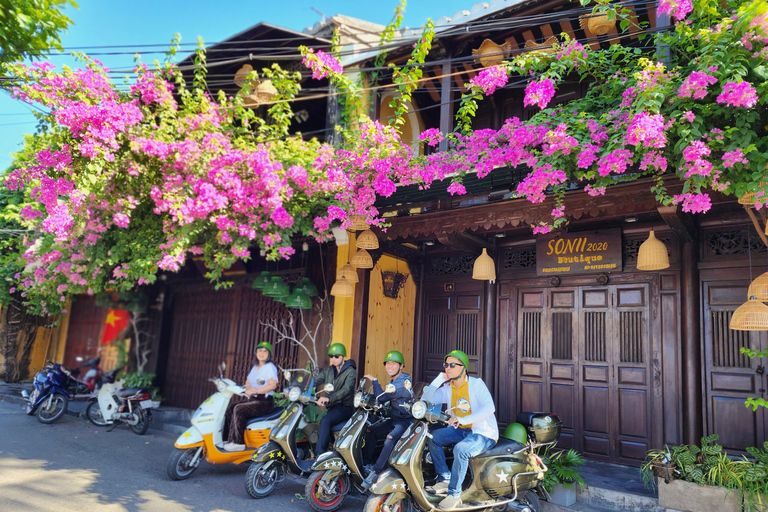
<point>146,404</point>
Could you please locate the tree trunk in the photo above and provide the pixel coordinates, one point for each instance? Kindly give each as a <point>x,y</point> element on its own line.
<point>17,335</point>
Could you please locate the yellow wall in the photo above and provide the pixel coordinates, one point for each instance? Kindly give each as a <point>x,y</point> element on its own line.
<point>343,308</point>
<point>390,321</point>
<point>412,127</point>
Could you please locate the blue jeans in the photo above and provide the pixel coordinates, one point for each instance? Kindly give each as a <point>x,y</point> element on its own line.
<point>467,445</point>
<point>335,415</point>
<point>391,431</point>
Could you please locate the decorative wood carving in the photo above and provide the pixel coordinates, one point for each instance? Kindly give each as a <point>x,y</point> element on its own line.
<point>451,265</point>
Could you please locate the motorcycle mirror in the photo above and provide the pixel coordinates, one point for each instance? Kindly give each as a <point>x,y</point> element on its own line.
<point>462,405</point>
<point>328,387</point>
<point>390,388</point>
<point>407,384</point>
<point>287,375</point>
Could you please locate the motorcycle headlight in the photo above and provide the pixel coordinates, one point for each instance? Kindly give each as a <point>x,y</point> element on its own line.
<point>221,385</point>
<point>294,393</point>
<point>419,409</point>
<point>357,400</point>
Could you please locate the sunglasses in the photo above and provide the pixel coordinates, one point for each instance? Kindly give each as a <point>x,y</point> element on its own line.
<point>335,356</point>
<point>451,365</point>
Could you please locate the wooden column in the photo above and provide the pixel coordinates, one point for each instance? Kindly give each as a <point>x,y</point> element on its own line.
<point>446,97</point>
<point>418,321</point>
<point>692,395</point>
<point>489,347</point>
<point>360,319</point>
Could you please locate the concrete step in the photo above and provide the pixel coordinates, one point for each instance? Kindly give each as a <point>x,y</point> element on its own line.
<point>617,500</point>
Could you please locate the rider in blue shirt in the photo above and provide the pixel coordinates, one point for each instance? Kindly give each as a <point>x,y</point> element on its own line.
<point>400,417</point>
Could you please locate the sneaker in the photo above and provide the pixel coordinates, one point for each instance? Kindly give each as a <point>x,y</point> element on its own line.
<point>449,503</point>
<point>369,480</point>
<point>440,487</point>
<point>234,447</point>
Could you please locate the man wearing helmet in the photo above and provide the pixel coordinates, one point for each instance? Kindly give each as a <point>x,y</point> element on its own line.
<point>391,429</point>
<point>343,375</point>
<point>471,432</point>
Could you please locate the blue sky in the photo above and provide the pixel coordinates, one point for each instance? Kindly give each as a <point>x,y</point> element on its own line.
<point>141,22</point>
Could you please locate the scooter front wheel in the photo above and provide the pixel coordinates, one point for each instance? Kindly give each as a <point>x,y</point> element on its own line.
<point>183,463</point>
<point>376,501</point>
<point>52,408</point>
<point>260,482</point>
<point>326,496</point>
<point>93,413</point>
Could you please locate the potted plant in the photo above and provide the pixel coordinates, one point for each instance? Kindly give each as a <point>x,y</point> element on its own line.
<point>696,478</point>
<point>143,380</point>
<point>563,475</point>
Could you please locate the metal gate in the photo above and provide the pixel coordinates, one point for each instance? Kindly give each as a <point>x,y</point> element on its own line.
<point>210,326</point>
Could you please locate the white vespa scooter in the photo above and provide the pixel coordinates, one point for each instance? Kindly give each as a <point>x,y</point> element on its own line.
<point>204,438</point>
<point>116,405</point>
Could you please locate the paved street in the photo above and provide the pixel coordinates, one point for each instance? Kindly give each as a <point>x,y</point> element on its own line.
<point>74,466</point>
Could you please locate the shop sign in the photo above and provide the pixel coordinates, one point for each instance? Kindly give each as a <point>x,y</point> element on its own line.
<point>587,252</point>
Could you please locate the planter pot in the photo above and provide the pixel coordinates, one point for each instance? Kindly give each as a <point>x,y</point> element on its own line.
<point>562,495</point>
<point>690,497</point>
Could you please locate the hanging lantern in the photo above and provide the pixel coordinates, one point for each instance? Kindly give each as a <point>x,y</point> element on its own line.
<point>367,240</point>
<point>597,23</point>
<point>750,316</point>
<point>652,254</point>
<point>748,199</point>
<point>342,288</point>
<point>276,288</point>
<point>362,259</point>
<point>759,288</point>
<point>358,223</point>
<point>484,269</point>
<point>307,286</point>
<point>282,298</point>
<point>349,273</point>
<point>491,54</point>
<point>299,300</point>
<point>541,48</point>
<point>262,280</point>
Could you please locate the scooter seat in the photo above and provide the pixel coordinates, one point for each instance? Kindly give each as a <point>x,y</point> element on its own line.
<point>271,416</point>
<point>503,447</point>
<point>125,393</point>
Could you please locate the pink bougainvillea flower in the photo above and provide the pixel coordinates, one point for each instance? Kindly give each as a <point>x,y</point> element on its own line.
<point>433,136</point>
<point>647,130</point>
<point>695,85</point>
<point>539,93</point>
<point>694,203</point>
<point>738,94</point>
<point>490,79</point>
<point>677,8</point>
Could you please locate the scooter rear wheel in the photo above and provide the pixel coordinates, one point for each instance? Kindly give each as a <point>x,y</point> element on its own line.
<point>323,501</point>
<point>142,421</point>
<point>260,482</point>
<point>531,500</point>
<point>93,413</point>
<point>52,408</point>
<point>180,464</point>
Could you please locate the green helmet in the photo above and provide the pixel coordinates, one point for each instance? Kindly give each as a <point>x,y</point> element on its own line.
<point>263,344</point>
<point>395,356</point>
<point>337,349</point>
<point>516,432</point>
<point>461,356</point>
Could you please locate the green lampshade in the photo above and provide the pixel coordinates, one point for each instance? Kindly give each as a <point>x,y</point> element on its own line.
<point>276,287</point>
<point>282,298</point>
<point>308,287</point>
<point>262,280</point>
<point>299,299</point>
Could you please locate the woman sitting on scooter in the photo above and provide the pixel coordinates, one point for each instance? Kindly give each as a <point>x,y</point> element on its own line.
<point>259,387</point>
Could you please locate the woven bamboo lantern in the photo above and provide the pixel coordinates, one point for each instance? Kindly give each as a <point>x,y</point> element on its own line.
<point>362,259</point>
<point>491,54</point>
<point>358,223</point>
<point>750,316</point>
<point>262,93</point>
<point>241,75</point>
<point>597,23</point>
<point>342,288</point>
<point>543,48</point>
<point>348,272</point>
<point>367,240</point>
<point>749,198</point>
<point>484,269</point>
<point>652,254</point>
<point>759,288</point>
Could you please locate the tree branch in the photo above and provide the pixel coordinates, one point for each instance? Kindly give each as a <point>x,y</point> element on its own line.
<point>760,229</point>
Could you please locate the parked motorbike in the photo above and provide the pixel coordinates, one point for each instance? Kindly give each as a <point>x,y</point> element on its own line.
<point>282,454</point>
<point>506,476</point>
<point>335,471</point>
<point>204,440</point>
<point>92,379</point>
<point>49,398</point>
<point>115,405</point>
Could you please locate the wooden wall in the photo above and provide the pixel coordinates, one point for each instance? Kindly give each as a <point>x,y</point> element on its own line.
<point>390,321</point>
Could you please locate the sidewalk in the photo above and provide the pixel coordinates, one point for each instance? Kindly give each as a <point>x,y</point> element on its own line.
<point>610,487</point>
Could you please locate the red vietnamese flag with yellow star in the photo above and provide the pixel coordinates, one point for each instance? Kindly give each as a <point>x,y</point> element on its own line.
<point>115,322</point>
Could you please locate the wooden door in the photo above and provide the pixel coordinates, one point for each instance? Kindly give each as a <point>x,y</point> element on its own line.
<point>731,377</point>
<point>584,355</point>
<point>453,320</point>
<point>86,323</point>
